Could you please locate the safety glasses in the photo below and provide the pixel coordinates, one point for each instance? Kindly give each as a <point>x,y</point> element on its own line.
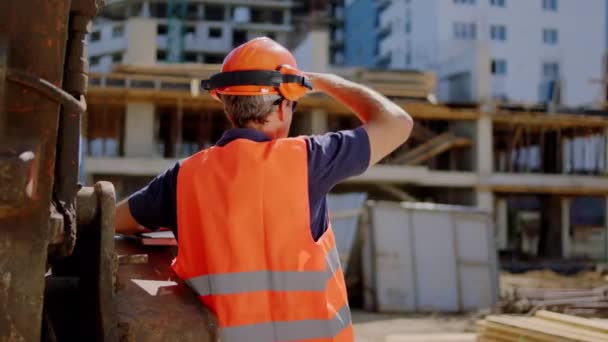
<point>294,104</point>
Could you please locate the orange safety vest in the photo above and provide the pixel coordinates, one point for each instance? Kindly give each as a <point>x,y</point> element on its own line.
<point>246,248</point>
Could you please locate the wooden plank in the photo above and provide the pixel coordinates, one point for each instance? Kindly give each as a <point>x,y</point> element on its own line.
<point>493,332</point>
<point>507,329</point>
<point>574,321</point>
<point>557,120</point>
<point>539,328</point>
<point>432,148</point>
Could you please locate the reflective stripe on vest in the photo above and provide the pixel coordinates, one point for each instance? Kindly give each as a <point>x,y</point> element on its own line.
<point>230,283</point>
<point>291,330</point>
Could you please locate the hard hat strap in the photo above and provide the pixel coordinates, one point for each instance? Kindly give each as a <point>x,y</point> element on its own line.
<point>253,77</point>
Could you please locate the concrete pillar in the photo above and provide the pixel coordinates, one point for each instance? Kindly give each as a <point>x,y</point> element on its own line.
<point>484,163</point>
<point>606,151</point>
<point>484,199</point>
<point>606,229</point>
<point>141,38</point>
<point>566,245</point>
<point>482,75</point>
<point>227,10</point>
<point>145,9</point>
<point>502,223</point>
<point>287,17</point>
<point>484,146</point>
<point>318,121</point>
<point>139,130</point>
<point>320,53</point>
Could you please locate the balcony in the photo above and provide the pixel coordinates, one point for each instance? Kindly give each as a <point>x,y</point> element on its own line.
<point>385,31</point>
<point>384,60</point>
<point>383,4</point>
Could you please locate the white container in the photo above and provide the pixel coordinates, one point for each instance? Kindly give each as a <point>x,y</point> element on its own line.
<point>421,257</point>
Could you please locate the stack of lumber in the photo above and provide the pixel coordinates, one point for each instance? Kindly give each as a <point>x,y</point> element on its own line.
<point>584,294</point>
<point>543,326</point>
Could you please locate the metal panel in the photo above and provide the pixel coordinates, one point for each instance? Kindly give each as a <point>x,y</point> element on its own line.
<point>472,235</point>
<point>429,257</point>
<point>435,262</point>
<point>477,287</point>
<point>345,213</point>
<point>395,283</point>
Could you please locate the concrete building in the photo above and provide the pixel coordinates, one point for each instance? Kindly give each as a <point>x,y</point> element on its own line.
<point>203,31</point>
<point>361,33</point>
<point>514,50</point>
<point>529,168</point>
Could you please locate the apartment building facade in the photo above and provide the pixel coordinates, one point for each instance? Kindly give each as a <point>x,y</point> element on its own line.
<point>202,31</point>
<point>517,51</point>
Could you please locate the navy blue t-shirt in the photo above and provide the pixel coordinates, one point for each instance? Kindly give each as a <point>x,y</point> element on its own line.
<point>332,157</point>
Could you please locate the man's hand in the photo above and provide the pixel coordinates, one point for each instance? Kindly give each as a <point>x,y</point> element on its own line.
<point>387,125</point>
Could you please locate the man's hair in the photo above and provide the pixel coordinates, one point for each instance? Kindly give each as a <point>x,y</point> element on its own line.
<point>245,109</point>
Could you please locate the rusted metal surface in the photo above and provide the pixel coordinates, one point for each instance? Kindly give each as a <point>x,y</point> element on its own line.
<point>133,259</point>
<point>3,67</point>
<point>68,144</point>
<point>15,177</point>
<point>35,32</point>
<point>88,274</point>
<point>154,304</point>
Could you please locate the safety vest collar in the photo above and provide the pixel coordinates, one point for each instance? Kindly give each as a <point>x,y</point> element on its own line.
<point>242,133</point>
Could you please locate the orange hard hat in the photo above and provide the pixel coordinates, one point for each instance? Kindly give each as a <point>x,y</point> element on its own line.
<point>260,66</point>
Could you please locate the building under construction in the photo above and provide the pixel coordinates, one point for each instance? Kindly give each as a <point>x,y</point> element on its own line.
<point>540,169</point>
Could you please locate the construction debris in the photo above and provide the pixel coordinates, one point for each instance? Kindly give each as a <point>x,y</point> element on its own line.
<point>584,294</point>
<point>543,326</point>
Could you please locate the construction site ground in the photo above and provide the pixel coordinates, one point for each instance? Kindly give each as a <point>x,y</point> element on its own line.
<point>374,327</point>
<point>380,327</point>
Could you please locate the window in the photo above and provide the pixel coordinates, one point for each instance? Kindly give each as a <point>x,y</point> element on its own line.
<point>277,17</point>
<point>550,36</point>
<point>118,31</point>
<point>94,60</point>
<point>215,32</point>
<point>190,29</point>
<point>190,57</point>
<point>213,59</point>
<point>214,12</point>
<point>550,5</point>
<point>550,70</point>
<point>465,30</point>
<point>498,32</point>
<point>408,21</point>
<point>161,55</point>
<point>117,57</point>
<point>499,67</point>
<point>161,29</point>
<point>470,2</point>
<point>95,36</point>
<point>497,3</point>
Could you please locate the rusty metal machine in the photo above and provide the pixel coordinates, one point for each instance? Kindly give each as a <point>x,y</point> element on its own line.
<point>64,276</point>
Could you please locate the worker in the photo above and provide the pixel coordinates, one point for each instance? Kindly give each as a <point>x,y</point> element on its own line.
<point>250,214</point>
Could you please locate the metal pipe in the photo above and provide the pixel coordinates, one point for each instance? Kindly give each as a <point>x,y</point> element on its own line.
<point>47,89</point>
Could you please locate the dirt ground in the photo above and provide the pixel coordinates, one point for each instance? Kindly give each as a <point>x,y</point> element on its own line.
<point>374,327</point>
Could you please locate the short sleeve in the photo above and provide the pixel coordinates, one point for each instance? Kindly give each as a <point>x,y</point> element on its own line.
<point>332,158</point>
<point>154,206</point>
<point>336,156</point>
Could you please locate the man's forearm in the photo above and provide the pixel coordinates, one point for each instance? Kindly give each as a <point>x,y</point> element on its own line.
<point>387,125</point>
<point>366,103</point>
<point>124,221</point>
